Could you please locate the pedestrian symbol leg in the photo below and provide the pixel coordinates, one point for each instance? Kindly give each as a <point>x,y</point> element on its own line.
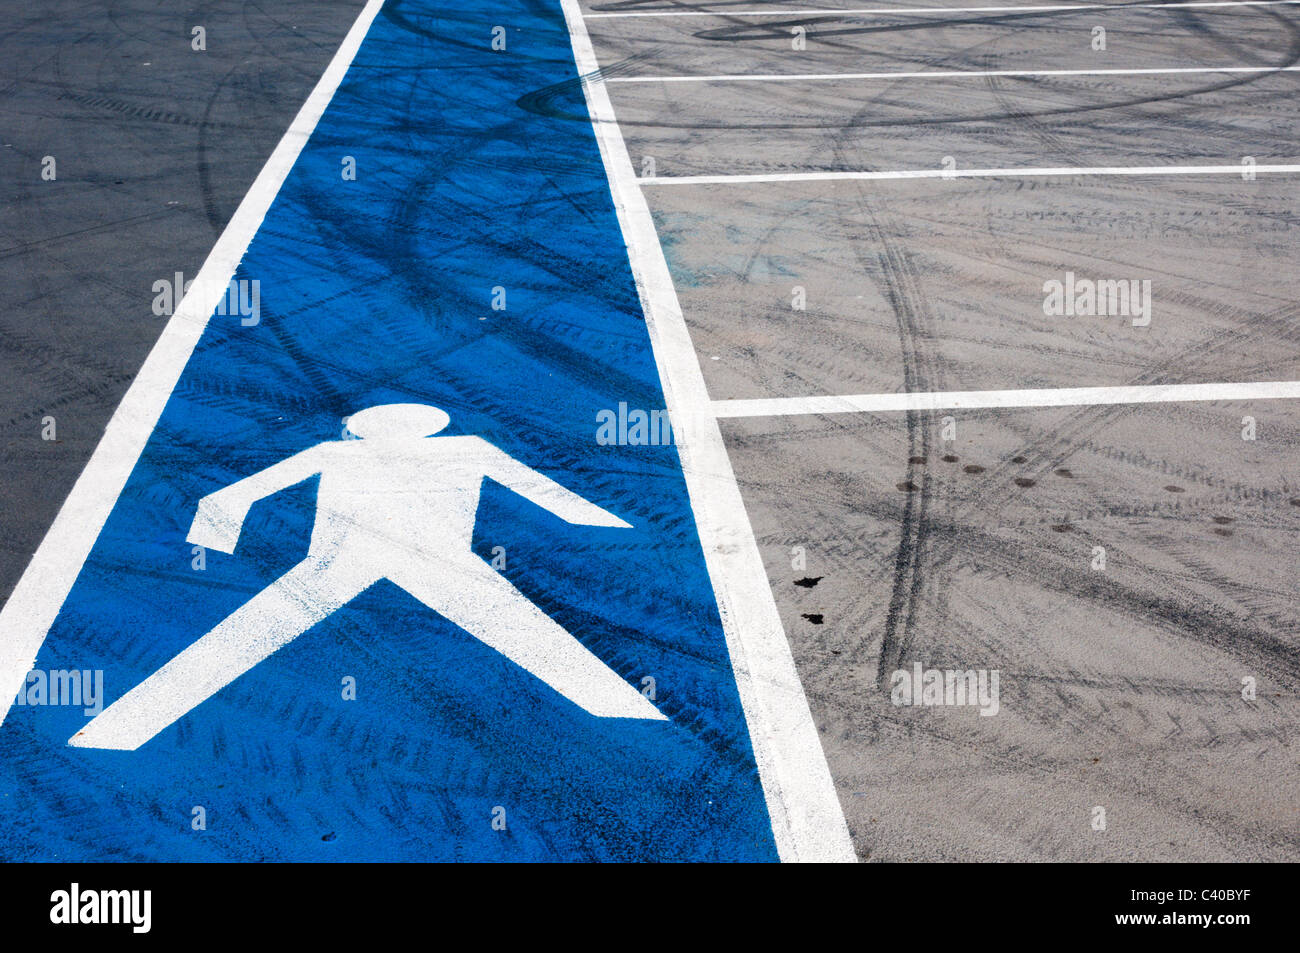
<point>486,605</point>
<point>270,620</point>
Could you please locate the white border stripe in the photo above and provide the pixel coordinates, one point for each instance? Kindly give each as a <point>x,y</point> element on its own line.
<point>36,600</point>
<point>807,821</point>
<point>944,74</point>
<point>971,399</point>
<point>952,11</point>
<point>960,174</point>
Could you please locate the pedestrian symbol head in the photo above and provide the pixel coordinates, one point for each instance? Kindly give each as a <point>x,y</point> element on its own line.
<point>397,421</point>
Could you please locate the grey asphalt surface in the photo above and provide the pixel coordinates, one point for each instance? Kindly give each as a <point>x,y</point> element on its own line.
<point>1120,688</point>
<point>155,144</point>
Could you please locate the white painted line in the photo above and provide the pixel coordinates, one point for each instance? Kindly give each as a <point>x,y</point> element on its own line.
<point>972,399</point>
<point>944,74</point>
<point>807,821</point>
<point>961,174</point>
<point>36,600</point>
<point>951,11</point>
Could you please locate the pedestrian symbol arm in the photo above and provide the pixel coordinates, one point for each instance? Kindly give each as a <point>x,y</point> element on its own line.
<point>220,515</point>
<point>549,495</point>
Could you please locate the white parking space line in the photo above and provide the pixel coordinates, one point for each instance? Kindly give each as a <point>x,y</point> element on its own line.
<point>36,600</point>
<point>742,179</point>
<point>944,74</point>
<point>950,11</point>
<point>807,821</point>
<point>973,399</point>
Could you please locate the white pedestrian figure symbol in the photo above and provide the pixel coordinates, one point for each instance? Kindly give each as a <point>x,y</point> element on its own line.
<point>398,504</point>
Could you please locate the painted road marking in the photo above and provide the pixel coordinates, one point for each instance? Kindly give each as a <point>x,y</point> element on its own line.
<point>1028,173</point>
<point>35,601</point>
<point>1033,397</point>
<point>398,504</point>
<point>908,11</point>
<point>807,820</point>
<point>389,731</point>
<point>941,74</point>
